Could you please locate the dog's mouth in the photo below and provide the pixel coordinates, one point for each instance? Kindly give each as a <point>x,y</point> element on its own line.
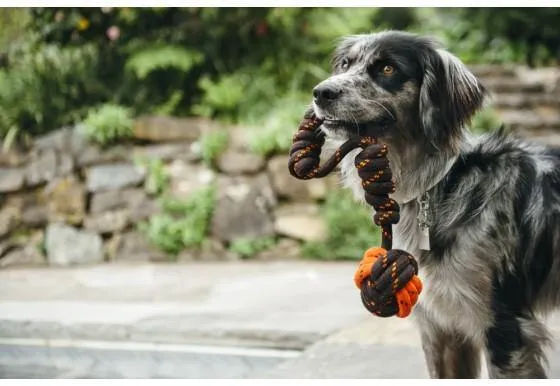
<point>375,127</point>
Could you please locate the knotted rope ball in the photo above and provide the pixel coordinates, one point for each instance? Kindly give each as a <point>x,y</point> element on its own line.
<point>387,278</point>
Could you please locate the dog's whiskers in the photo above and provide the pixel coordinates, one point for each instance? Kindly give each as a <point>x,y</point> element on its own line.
<point>384,108</point>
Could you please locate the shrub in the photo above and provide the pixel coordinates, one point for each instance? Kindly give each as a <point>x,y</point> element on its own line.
<point>108,123</point>
<point>212,145</point>
<point>273,132</point>
<point>157,179</point>
<point>46,87</point>
<point>183,224</point>
<point>350,229</point>
<point>254,66</point>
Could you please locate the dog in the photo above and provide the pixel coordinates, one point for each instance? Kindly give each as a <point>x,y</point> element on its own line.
<point>493,264</point>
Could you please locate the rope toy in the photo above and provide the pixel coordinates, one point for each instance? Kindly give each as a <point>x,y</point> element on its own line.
<point>387,278</point>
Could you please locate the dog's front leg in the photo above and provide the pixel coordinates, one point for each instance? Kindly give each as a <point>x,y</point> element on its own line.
<point>448,354</point>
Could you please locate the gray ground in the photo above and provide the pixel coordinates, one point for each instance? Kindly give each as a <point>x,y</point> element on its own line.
<point>18,361</point>
<point>202,321</point>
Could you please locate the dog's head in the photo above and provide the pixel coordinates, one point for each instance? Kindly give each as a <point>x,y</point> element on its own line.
<point>399,86</point>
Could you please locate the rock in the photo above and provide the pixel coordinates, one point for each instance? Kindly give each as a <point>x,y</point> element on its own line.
<point>10,218</point>
<point>288,187</point>
<point>168,152</point>
<point>33,207</point>
<point>24,250</point>
<point>117,199</point>
<point>11,179</point>
<point>12,158</point>
<point>302,222</point>
<point>239,139</point>
<point>493,70</point>
<point>168,129</point>
<point>186,178</point>
<point>95,155</point>
<point>5,247</point>
<point>23,257</point>
<point>134,246</point>
<point>65,165</point>
<point>56,140</point>
<point>243,208</point>
<point>139,206</point>
<point>35,216</point>
<point>140,211</point>
<point>214,250</point>
<point>68,140</point>
<point>283,183</point>
<point>107,222</point>
<point>43,168</point>
<point>284,249</point>
<point>240,163</point>
<point>67,201</point>
<point>114,176</point>
<point>302,208</point>
<point>66,246</point>
<point>211,250</point>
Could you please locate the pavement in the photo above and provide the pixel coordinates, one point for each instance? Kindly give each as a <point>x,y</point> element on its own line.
<point>293,319</point>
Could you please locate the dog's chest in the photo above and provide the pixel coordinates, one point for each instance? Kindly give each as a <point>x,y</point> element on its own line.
<point>455,292</point>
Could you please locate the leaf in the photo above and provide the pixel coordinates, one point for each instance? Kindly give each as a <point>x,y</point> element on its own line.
<point>149,59</point>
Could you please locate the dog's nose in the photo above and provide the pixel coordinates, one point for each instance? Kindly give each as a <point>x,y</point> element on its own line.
<point>325,93</point>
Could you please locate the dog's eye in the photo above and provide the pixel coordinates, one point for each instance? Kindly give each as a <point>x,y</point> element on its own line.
<point>388,70</point>
<point>345,64</point>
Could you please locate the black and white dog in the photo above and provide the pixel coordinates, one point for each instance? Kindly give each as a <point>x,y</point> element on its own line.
<point>493,265</point>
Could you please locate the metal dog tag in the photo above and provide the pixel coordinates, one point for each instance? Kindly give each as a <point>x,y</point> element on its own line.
<point>424,243</point>
<point>424,222</point>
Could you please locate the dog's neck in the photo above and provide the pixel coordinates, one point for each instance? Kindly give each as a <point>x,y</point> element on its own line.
<point>416,172</point>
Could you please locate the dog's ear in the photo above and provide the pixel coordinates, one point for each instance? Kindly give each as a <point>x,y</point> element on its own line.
<point>449,96</point>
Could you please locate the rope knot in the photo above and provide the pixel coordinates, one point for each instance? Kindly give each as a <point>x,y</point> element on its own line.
<point>388,282</point>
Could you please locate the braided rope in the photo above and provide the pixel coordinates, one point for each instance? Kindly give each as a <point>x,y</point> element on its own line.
<point>386,277</point>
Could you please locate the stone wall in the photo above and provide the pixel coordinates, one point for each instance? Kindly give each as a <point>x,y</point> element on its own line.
<point>66,201</point>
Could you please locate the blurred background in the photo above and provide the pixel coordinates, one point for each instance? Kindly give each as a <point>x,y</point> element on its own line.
<point>121,77</point>
<point>139,135</point>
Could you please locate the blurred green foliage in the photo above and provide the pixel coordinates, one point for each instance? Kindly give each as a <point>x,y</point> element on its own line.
<point>249,247</point>
<point>183,224</point>
<point>212,145</point>
<point>108,124</point>
<point>255,66</point>
<point>350,229</point>
<point>249,65</point>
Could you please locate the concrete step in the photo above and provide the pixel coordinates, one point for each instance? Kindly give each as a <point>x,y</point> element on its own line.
<point>510,85</point>
<point>517,100</point>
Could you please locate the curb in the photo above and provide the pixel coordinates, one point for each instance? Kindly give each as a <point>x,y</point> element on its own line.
<point>158,334</point>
